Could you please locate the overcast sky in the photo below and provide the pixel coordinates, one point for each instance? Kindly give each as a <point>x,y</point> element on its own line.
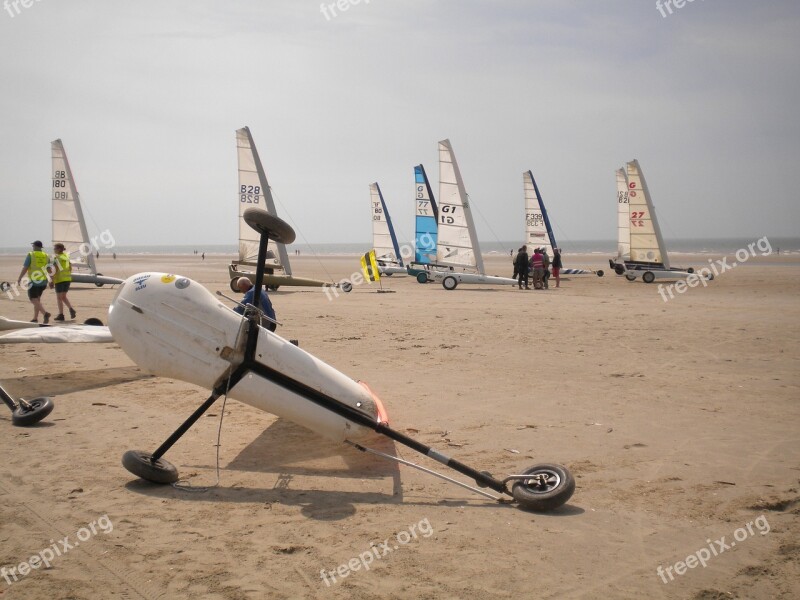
<point>146,97</point>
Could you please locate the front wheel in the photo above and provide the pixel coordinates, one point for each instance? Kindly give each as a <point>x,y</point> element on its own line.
<point>37,409</point>
<point>648,277</point>
<point>690,270</point>
<point>600,273</point>
<point>141,464</point>
<point>619,269</point>
<point>422,277</point>
<point>347,287</point>
<point>548,487</point>
<point>5,286</point>
<point>630,277</point>
<point>97,283</point>
<point>234,287</point>
<point>450,283</point>
<point>273,288</point>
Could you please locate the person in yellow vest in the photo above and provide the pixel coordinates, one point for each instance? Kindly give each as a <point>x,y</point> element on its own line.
<point>36,267</point>
<point>61,269</point>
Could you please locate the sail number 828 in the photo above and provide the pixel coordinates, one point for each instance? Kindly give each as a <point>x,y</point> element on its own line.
<point>249,194</point>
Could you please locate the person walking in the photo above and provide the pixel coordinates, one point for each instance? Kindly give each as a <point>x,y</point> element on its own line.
<point>557,265</point>
<point>521,266</point>
<point>248,289</point>
<point>546,264</point>
<point>537,263</point>
<point>62,278</point>
<point>35,266</point>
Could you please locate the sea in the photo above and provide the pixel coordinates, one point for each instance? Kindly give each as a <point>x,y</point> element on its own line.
<point>721,246</point>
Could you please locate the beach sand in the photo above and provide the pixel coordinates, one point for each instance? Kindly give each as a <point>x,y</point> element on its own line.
<point>679,420</point>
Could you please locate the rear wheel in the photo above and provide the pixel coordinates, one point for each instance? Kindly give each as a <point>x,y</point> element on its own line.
<point>234,288</point>
<point>5,286</point>
<point>97,283</point>
<point>422,277</point>
<point>141,464</point>
<point>648,277</point>
<point>619,269</point>
<point>37,409</point>
<point>548,487</point>
<point>450,283</point>
<point>347,287</point>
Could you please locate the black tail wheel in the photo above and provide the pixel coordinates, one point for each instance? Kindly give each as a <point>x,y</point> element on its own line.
<point>141,464</point>
<point>600,273</point>
<point>619,269</point>
<point>37,409</point>
<point>548,487</point>
<point>97,283</point>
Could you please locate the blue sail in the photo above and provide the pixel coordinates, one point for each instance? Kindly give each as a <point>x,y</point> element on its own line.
<point>427,215</point>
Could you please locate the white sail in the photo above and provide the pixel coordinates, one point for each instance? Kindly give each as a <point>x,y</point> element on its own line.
<point>538,233</point>
<point>69,226</point>
<point>623,217</point>
<point>254,192</point>
<point>384,241</point>
<point>647,244</point>
<point>457,244</point>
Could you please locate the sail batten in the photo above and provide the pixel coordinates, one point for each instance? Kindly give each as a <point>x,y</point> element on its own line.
<point>254,192</point>
<point>383,237</point>
<point>457,243</point>
<point>646,241</point>
<point>69,226</point>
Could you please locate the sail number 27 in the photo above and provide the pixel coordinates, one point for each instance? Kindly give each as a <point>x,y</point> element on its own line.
<point>249,193</point>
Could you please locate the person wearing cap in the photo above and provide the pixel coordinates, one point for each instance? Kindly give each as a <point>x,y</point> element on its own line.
<point>61,269</point>
<point>248,289</point>
<point>35,266</point>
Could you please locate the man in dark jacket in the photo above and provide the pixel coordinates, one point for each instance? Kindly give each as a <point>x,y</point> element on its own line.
<point>521,266</point>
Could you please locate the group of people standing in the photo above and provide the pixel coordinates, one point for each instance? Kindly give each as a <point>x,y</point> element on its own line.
<point>43,270</point>
<point>538,265</point>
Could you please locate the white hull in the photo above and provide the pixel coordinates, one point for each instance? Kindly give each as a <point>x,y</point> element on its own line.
<point>651,275</point>
<point>446,278</point>
<point>98,280</point>
<point>173,327</point>
<point>392,270</point>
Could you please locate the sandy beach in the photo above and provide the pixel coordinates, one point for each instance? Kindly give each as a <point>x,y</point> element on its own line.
<point>679,420</point>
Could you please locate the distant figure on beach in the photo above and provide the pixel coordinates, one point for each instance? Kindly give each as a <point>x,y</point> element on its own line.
<point>35,265</point>
<point>521,267</point>
<point>98,254</point>
<point>546,264</point>
<point>557,265</point>
<point>248,289</point>
<point>61,269</point>
<point>537,264</point>
<point>114,256</point>
<point>204,255</point>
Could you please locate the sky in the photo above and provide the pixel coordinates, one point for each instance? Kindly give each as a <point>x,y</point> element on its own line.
<point>146,97</point>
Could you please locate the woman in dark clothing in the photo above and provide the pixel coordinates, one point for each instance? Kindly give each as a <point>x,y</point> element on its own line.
<point>557,265</point>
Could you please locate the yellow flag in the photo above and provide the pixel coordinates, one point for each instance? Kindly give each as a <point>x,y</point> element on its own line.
<point>370,266</point>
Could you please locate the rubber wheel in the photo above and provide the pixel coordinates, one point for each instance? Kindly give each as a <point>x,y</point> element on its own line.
<point>93,321</point>
<point>648,277</point>
<point>600,273</point>
<point>690,270</point>
<point>40,408</point>
<point>233,284</point>
<point>98,284</point>
<point>549,487</point>
<point>630,277</point>
<point>422,277</point>
<point>449,283</point>
<point>273,288</point>
<point>5,285</point>
<point>710,277</point>
<point>347,287</point>
<point>619,269</point>
<point>139,463</point>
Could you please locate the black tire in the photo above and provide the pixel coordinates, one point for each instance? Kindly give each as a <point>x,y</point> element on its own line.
<point>710,277</point>
<point>422,277</point>
<point>347,287</point>
<point>449,283</point>
<point>97,283</point>
<point>93,321</point>
<point>630,277</point>
<point>139,463</point>
<point>4,286</point>
<point>600,273</point>
<point>619,269</point>
<point>39,409</point>
<point>690,270</point>
<point>273,288</point>
<point>648,277</point>
<point>233,284</point>
<point>550,486</point>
